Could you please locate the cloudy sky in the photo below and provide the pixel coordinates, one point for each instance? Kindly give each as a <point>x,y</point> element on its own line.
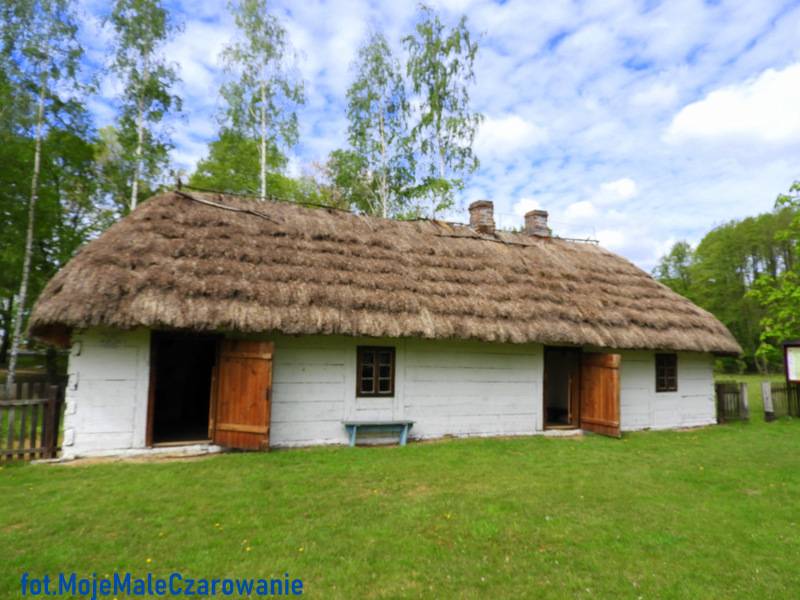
<point>634,123</point>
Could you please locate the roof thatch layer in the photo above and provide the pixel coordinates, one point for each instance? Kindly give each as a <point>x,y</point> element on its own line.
<point>178,261</point>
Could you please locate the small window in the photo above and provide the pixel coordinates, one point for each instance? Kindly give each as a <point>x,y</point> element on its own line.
<point>666,372</point>
<point>375,376</point>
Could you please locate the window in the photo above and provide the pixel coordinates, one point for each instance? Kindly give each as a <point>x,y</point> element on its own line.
<point>666,372</point>
<point>375,375</point>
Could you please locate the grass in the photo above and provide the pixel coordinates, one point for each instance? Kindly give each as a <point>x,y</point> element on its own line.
<point>708,513</point>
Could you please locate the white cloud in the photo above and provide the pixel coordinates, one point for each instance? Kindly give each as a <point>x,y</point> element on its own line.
<point>524,205</point>
<point>619,189</point>
<point>613,239</point>
<point>763,109</point>
<point>658,95</point>
<point>581,211</point>
<point>501,137</point>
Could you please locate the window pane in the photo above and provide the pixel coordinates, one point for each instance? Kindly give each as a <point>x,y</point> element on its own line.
<point>375,371</point>
<point>368,385</point>
<point>666,372</point>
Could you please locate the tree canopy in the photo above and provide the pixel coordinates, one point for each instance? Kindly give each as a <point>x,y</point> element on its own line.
<point>732,261</point>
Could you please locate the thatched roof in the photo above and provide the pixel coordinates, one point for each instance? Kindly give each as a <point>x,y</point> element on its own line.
<point>178,262</point>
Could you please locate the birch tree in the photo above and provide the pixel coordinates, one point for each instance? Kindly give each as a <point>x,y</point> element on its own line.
<point>377,111</point>
<point>41,54</point>
<point>441,70</point>
<point>141,29</point>
<point>263,92</point>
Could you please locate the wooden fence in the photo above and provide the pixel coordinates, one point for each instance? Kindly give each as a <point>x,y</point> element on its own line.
<point>30,420</point>
<point>780,400</point>
<point>732,404</point>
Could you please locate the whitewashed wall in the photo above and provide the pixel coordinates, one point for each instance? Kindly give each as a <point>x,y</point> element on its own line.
<point>106,398</point>
<point>446,387</point>
<point>642,407</point>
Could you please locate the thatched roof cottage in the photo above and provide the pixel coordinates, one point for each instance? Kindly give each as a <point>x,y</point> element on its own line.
<point>210,319</point>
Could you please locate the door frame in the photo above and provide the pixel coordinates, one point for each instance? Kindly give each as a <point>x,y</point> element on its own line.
<point>155,335</point>
<point>574,400</point>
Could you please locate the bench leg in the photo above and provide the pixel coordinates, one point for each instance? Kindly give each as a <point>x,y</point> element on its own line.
<point>404,435</point>
<point>353,435</point>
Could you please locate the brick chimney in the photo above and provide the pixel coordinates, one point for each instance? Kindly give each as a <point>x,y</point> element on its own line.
<point>481,216</point>
<point>536,223</point>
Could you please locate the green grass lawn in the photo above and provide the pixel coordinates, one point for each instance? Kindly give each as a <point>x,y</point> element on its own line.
<point>710,513</point>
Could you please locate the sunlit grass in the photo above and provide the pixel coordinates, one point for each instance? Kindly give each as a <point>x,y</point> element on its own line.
<point>709,513</point>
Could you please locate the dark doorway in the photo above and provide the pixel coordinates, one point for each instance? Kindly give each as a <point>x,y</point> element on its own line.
<point>181,367</point>
<point>562,372</point>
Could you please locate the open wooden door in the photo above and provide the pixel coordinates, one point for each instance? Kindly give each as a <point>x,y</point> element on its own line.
<point>600,393</point>
<point>243,385</point>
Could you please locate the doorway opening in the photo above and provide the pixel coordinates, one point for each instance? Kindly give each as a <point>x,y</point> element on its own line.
<point>180,387</point>
<point>562,386</point>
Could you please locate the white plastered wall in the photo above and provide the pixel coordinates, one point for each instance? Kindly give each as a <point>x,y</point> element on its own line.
<point>446,387</point>
<point>106,397</point>
<point>690,406</point>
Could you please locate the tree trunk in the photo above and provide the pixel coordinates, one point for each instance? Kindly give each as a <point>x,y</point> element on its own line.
<point>384,169</point>
<point>137,167</point>
<point>26,262</point>
<point>8,315</point>
<point>263,148</point>
<point>442,172</point>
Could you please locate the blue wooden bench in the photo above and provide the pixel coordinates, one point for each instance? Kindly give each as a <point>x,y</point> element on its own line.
<point>400,427</point>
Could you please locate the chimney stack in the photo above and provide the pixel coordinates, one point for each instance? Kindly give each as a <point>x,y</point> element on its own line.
<point>481,216</point>
<point>536,223</point>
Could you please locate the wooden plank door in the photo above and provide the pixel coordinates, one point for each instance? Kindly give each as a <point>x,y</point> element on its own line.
<point>243,385</point>
<point>600,393</point>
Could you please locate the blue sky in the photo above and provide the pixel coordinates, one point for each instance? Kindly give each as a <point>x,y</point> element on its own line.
<point>635,123</point>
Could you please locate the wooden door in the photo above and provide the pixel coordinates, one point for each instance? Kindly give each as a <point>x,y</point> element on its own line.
<point>243,384</point>
<point>600,393</point>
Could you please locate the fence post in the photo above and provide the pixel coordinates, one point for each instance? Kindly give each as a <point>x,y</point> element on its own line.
<point>766,394</point>
<point>744,406</point>
<point>718,397</point>
<point>50,423</point>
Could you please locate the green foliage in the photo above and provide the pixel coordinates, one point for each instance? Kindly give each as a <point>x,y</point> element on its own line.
<point>141,28</point>
<point>349,184</point>
<point>262,92</point>
<point>729,262</point>
<point>232,164</point>
<point>778,292</point>
<point>441,69</point>
<point>40,60</point>
<point>377,111</point>
<point>674,270</point>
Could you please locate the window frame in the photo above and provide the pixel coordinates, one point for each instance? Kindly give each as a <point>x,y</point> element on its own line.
<point>376,393</point>
<point>663,384</point>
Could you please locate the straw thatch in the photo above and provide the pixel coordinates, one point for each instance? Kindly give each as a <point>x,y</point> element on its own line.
<point>180,262</point>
